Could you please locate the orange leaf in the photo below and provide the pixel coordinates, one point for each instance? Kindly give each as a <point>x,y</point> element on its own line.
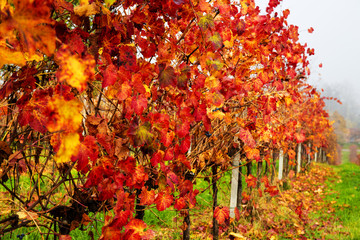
<point>147,197</point>
<point>29,22</point>
<point>251,180</point>
<point>252,153</point>
<point>221,214</point>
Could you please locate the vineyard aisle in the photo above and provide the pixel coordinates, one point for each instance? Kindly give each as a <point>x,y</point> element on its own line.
<point>344,194</point>
<point>320,204</point>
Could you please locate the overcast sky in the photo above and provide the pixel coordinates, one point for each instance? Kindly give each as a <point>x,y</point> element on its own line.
<point>336,39</point>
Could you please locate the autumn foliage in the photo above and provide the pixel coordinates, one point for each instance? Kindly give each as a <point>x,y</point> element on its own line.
<point>137,95</point>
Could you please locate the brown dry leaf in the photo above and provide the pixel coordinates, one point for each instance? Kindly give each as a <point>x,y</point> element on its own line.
<point>27,215</point>
<point>85,219</point>
<point>74,224</point>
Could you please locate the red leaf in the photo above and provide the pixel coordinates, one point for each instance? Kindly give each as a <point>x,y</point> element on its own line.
<point>300,136</point>
<point>139,104</point>
<point>167,138</point>
<point>247,138</point>
<point>311,30</point>
<point>298,210</point>
<point>182,158</point>
<point>163,201</point>
<point>169,154</point>
<point>221,214</point>
<point>157,158</point>
<point>265,180</point>
<point>320,65</point>
<point>88,150</point>
<point>237,214</point>
<point>182,129</point>
<point>185,145</point>
<point>272,190</point>
<point>106,189</point>
<point>185,187</point>
<point>167,76</point>
<point>121,218</point>
<point>95,177</point>
<point>110,76</point>
<point>172,179</point>
<point>127,58</point>
<point>138,178</point>
<point>180,203</point>
<point>251,180</point>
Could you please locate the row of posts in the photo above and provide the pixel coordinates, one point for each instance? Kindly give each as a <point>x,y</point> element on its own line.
<point>236,184</point>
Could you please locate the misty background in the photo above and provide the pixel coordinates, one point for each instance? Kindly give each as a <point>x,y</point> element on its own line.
<point>336,40</point>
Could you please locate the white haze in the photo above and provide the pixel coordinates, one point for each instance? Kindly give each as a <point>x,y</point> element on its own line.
<point>336,40</point>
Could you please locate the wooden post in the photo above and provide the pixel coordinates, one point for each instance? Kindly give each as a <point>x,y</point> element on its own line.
<point>215,229</point>
<point>186,231</point>
<point>239,190</point>
<point>259,173</point>
<point>281,164</point>
<point>235,179</point>
<point>299,158</point>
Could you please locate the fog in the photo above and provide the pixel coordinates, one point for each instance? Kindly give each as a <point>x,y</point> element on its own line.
<point>336,40</point>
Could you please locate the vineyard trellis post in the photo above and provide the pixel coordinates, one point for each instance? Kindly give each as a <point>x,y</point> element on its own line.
<point>281,164</point>
<point>235,181</point>
<point>299,158</point>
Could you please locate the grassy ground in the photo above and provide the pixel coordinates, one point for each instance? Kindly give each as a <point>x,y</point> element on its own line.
<point>346,196</point>
<point>342,210</point>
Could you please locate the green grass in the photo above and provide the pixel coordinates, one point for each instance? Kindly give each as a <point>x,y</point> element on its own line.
<point>347,206</point>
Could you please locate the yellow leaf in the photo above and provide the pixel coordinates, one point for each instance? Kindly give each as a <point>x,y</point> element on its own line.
<point>67,115</point>
<point>109,2</point>
<point>192,59</point>
<point>8,56</point>
<point>69,146</point>
<point>75,70</point>
<point>2,4</point>
<point>217,114</point>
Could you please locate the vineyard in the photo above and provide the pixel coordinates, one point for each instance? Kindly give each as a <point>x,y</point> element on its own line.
<point>166,119</point>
